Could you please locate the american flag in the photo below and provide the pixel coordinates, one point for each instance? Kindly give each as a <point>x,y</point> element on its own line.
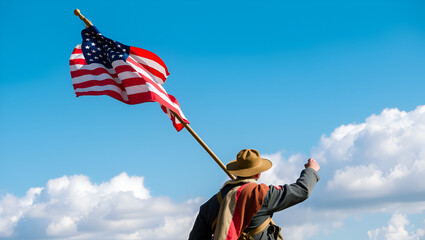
<point>102,66</point>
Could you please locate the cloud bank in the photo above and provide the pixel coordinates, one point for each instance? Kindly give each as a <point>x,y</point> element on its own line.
<point>396,230</point>
<point>75,208</point>
<point>376,166</point>
<point>382,159</point>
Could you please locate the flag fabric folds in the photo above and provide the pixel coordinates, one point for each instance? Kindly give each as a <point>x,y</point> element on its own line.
<point>101,66</point>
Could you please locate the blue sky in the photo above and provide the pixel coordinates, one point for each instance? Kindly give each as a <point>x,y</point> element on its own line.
<point>290,79</point>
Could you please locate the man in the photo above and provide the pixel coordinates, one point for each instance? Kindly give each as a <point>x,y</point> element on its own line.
<point>242,209</point>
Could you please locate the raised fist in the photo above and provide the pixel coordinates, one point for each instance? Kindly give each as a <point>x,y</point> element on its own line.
<point>312,164</point>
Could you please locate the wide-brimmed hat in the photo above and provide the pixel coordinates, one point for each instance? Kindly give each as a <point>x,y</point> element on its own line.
<point>248,163</point>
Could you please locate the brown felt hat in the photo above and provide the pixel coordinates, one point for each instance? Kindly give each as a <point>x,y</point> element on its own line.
<point>248,163</point>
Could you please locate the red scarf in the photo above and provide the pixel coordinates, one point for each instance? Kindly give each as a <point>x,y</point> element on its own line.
<point>237,210</point>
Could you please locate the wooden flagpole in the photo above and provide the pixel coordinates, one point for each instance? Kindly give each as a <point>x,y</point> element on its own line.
<point>84,19</point>
<point>209,151</point>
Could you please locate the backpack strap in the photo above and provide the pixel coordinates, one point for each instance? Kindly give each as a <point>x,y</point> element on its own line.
<point>260,228</point>
<point>249,235</point>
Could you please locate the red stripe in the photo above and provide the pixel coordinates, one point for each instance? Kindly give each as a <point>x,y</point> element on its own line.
<point>93,83</point>
<point>150,55</point>
<point>77,61</point>
<point>77,51</point>
<point>235,225</point>
<point>128,82</point>
<point>97,71</point>
<point>106,92</point>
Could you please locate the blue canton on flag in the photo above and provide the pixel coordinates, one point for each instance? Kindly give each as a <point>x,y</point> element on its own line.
<point>99,49</point>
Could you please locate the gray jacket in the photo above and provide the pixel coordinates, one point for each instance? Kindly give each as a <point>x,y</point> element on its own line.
<point>277,198</point>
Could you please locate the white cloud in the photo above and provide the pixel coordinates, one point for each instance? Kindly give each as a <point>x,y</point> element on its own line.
<point>381,159</point>
<point>72,207</point>
<point>284,170</point>
<point>397,230</point>
<point>12,209</point>
<point>300,232</point>
<point>384,157</point>
<point>66,226</point>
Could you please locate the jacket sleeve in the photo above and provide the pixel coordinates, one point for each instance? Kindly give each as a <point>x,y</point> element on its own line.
<point>200,230</point>
<point>281,197</point>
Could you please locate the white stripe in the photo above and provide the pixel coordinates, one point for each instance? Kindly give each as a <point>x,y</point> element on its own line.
<point>89,77</point>
<point>137,89</point>
<point>76,56</point>
<point>91,66</point>
<point>127,75</point>
<point>104,88</point>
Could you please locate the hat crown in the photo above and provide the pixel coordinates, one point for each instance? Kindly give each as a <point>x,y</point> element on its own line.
<point>248,163</point>
<point>248,158</point>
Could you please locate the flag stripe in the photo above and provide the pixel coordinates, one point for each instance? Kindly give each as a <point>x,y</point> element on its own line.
<point>90,77</point>
<point>96,71</point>
<point>108,88</point>
<point>110,93</point>
<point>77,61</point>
<point>145,54</point>
<point>158,76</point>
<point>93,83</point>
<point>92,66</point>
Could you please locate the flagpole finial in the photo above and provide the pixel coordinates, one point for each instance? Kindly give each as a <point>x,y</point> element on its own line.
<point>84,19</point>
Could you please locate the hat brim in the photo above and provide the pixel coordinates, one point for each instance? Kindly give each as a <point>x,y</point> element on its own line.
<point>235,169</point>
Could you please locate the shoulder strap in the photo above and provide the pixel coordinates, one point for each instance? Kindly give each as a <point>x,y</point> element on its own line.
<point>219,199</point>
